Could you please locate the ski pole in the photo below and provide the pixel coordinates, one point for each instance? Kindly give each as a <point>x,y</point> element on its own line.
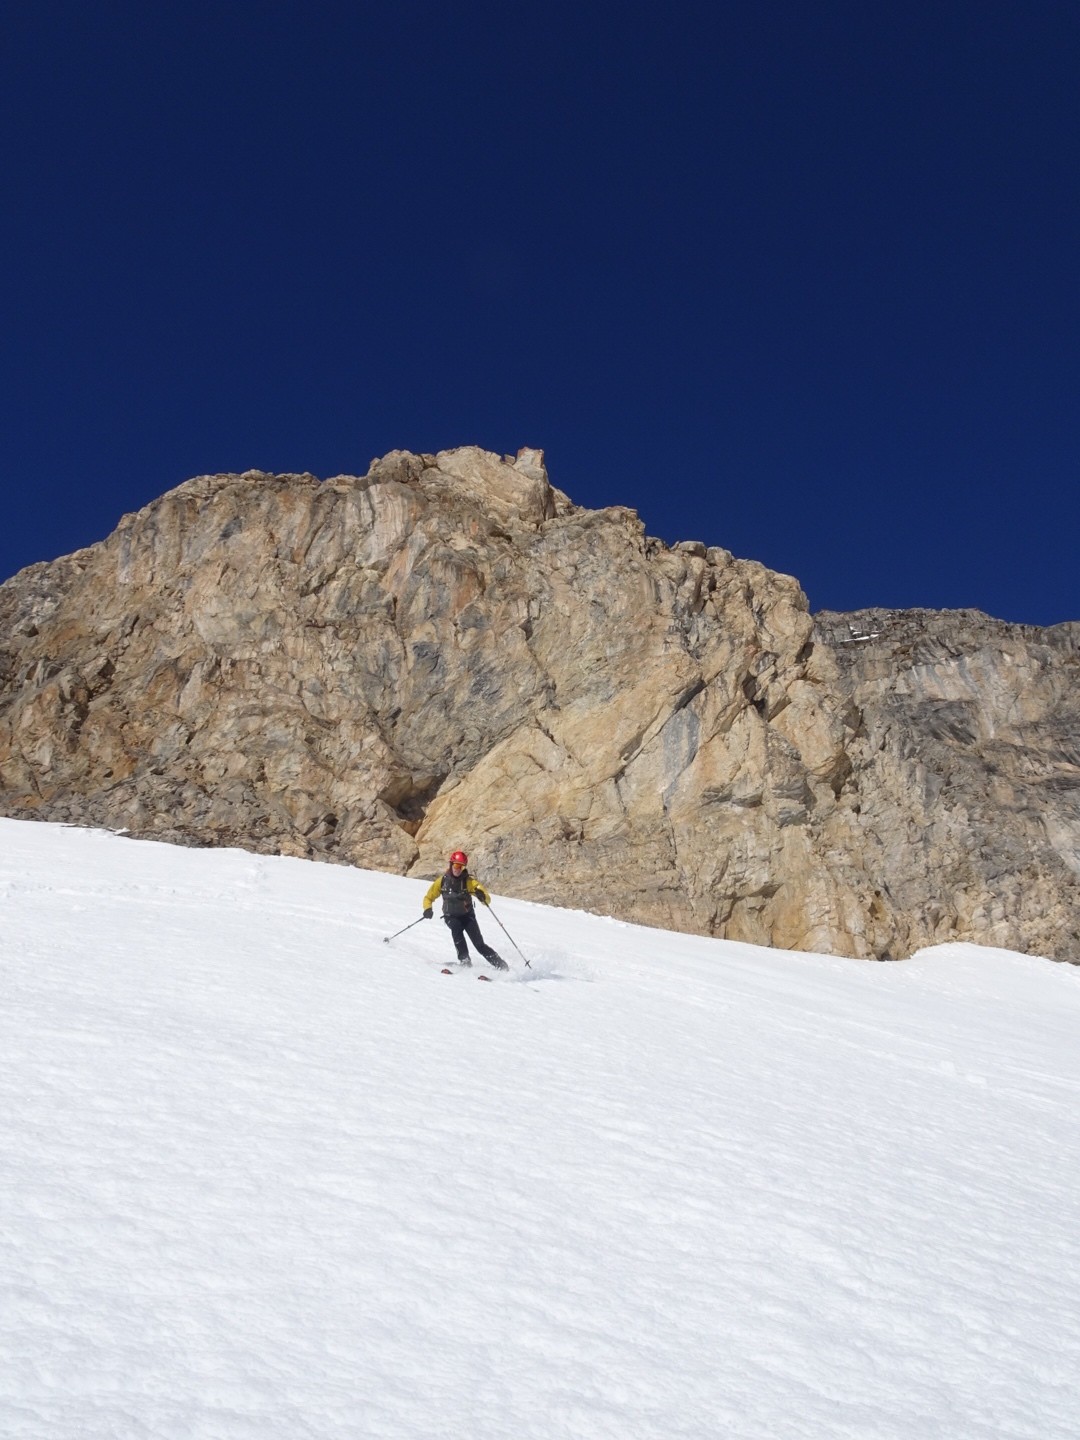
<point>510,937</point>
<point>388,938</point>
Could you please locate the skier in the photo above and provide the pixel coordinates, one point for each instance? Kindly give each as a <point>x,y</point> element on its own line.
<point>457,887</point>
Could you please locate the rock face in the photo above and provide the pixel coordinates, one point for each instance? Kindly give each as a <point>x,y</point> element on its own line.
<point>447,652</point>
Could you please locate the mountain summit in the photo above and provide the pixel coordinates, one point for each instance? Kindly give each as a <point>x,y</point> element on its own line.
<point>446,650</point>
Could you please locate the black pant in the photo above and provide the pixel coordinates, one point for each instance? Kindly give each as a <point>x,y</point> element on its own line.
<point>462,925</point>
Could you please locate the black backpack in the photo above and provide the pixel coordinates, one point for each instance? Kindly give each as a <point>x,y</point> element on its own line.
<point>455,894</point>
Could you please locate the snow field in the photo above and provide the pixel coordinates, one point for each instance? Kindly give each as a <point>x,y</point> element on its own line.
<point>262,1175</point>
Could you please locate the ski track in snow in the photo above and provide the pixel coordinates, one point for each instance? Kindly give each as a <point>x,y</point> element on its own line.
<point>262,1175</point>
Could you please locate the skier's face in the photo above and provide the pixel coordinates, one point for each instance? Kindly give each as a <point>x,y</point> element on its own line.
<point>456,867</point>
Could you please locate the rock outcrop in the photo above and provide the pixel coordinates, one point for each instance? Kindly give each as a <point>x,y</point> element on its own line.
<point>447,651</point>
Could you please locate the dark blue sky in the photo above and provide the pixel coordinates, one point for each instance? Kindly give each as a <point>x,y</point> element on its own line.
<point>799,279</point>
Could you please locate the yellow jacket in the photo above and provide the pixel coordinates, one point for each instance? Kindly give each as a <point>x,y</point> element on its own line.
<point>472,886</point>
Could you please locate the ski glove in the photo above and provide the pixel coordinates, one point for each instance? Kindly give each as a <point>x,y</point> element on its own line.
<point>428,913</point>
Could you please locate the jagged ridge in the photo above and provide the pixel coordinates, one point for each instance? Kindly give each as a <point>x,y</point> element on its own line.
<point>447,650</point>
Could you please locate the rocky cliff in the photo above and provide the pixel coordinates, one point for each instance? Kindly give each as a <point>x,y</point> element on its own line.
<point>447,652</point>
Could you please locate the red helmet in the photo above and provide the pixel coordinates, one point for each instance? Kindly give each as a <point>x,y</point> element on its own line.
<point>459,858</point>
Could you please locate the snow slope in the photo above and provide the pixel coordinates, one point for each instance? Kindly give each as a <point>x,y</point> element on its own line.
<point>262,1175</point>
